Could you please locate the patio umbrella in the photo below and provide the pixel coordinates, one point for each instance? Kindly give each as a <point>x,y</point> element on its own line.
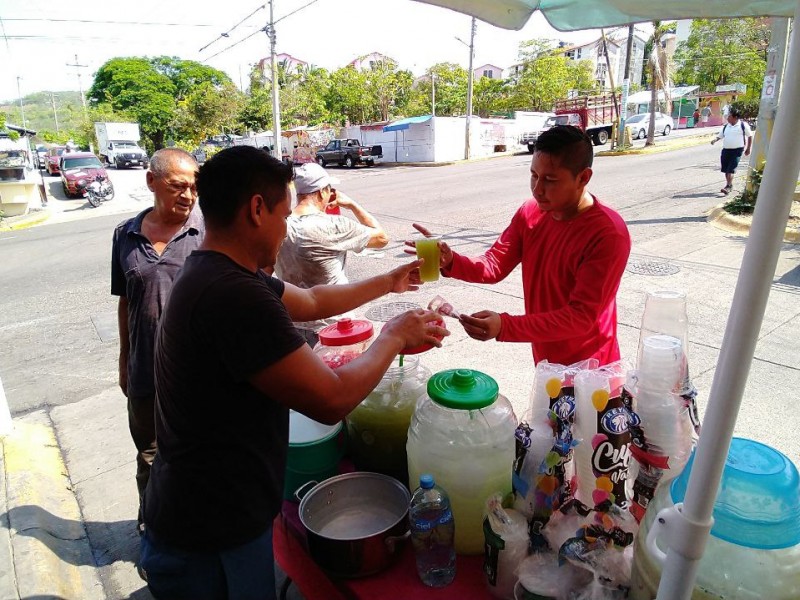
<point>687,526</point>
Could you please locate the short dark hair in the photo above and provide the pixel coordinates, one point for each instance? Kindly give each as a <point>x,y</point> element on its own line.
<point>734,112</point>
<point>570,145</point>
<point>232,176</point>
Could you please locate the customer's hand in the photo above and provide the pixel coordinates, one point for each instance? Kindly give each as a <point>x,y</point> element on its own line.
<point>343,200</point>
<point>483,325</point>
<point>445,253</point>
<point>415,328</point>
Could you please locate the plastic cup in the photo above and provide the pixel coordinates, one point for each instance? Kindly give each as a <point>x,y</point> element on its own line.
<point>428,250</point>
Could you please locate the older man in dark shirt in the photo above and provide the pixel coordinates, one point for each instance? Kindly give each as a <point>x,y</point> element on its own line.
<point>148,251</point>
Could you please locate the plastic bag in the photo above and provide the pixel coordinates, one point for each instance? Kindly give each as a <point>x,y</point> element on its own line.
<point>506,533</point>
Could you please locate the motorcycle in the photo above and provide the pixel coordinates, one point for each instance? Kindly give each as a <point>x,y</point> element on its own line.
<point>98,190</point>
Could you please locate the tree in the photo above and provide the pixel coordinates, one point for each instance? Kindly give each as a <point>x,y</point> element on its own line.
<point>489,96</point>
<point>207,110</point>
<point>659,66</point>
<point>720,52</point>
<point>547,76</point>
<point>149,89</point>
<point>348,99</point>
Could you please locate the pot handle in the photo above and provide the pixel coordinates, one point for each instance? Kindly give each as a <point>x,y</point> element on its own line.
<point>300,492</point>
<point>393,540</point>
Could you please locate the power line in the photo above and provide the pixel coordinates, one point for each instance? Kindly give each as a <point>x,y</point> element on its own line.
<point>148,23</point>
<point>295,11</point>
<point>234,44</point>
<point>227,33</point>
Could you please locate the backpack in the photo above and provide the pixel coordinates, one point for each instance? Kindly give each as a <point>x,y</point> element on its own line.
<point>744,135</point>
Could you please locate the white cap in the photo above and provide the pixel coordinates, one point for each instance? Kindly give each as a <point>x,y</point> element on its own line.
<point>310,178</point>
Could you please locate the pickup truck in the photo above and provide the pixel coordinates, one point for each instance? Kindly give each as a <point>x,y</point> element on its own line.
<point>348,152</point>
<point>594,114</point>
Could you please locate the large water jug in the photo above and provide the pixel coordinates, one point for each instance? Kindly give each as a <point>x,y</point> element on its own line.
<point>753,552</point>
<point>462,433</point>
<point>378,427</point>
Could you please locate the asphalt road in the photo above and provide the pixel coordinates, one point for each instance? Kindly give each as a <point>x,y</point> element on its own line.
<point>58,324</point>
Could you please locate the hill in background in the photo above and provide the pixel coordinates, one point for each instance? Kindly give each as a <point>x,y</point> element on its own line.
<point>39,111</point>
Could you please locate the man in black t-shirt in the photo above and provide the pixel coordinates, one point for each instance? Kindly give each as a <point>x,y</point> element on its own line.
<point>229,365</point>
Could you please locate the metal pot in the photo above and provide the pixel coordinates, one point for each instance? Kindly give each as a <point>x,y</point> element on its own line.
<point>354,521</point>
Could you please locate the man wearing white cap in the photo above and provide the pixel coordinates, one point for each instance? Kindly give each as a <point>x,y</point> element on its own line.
<point>316,245</point>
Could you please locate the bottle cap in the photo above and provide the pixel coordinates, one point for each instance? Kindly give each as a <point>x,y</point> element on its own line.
<point>462,389</point>
<point>426,481</point>
<point>345,332</point>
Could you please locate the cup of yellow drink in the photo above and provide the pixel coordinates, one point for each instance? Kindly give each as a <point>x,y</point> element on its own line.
<point>428,250</point>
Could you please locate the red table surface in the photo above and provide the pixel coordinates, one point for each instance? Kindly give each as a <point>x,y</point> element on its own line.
<point>400,581</point>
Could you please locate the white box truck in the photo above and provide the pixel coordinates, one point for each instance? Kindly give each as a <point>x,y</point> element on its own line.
<point>118,145</point>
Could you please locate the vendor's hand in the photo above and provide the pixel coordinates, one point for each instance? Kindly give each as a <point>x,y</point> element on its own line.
<point>405,278</point>
<point>483,325</point>
<point>415,328</point>
<point>445,253</point>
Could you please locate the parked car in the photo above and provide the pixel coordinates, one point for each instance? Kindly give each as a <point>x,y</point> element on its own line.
<point>638,125</point>
<point>78,169</point>
<point>52,159</point>
<point>349,153</point>
<point>39,156</point>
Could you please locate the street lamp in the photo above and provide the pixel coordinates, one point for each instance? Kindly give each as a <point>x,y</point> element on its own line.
<point>471,46</point>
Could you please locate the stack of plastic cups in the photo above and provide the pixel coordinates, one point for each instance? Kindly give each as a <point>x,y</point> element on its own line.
<point>665,314</point>
<point>587,383</point>
<point>663,417</point>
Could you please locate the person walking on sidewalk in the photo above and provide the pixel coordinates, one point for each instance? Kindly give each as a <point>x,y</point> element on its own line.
<point>737,139</point>
<point>317,243</point>
<point>147,253</point>
<point>573,252</point>
<point>229,365</point>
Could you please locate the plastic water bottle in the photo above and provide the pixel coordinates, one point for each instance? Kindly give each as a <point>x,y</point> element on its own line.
<point>432,533</point>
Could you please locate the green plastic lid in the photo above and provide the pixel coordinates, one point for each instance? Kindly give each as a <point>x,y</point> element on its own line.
<point>463,389</point>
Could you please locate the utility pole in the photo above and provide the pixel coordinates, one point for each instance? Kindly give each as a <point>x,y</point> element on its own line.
<point>469,86</point>
<point>770,93</point>
<point>276,109</point>
<point>626,88</point>
<point>78,67</point>
<point>21,105</point>
<point>55,113</point>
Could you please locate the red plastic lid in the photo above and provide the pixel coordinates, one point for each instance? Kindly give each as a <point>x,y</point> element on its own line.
<point>345,332</point>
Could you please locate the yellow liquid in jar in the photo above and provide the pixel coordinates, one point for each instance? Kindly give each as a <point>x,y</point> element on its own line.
<point>469,482</point>
<point>428,249</point>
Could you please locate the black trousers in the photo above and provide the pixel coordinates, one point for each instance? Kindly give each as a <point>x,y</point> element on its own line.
<point>142,425</point>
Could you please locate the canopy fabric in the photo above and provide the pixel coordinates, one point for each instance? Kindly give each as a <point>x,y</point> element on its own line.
<point>572,15</point>
<point>405,123</point>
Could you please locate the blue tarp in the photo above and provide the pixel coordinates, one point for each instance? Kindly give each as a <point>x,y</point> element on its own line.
<point>404,123</point>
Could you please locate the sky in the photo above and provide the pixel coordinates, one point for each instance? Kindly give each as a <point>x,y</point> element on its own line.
<point>41,37</point>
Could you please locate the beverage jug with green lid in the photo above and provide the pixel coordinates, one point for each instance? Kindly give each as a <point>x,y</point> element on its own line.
<point>462,433</point>
<point>378,427</point>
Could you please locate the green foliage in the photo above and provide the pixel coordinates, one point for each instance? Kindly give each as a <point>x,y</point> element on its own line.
<point>39,114</point>
<point>13,135</point>
<point>489,96</point>
<point>720,52</point>
<point>206,110</point>
<point>547,76</point>
<point>150,90</point>
<point>748,109</point>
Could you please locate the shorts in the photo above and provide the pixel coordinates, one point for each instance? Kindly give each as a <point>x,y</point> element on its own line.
<point>729,159</point>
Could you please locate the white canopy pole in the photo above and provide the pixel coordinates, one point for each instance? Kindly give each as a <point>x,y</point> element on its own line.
<point>686,528</point>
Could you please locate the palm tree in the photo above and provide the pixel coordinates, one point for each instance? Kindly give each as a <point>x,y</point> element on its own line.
<point>659,76</point>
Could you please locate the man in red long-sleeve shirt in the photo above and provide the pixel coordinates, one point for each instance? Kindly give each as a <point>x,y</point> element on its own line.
<point>573,251</point>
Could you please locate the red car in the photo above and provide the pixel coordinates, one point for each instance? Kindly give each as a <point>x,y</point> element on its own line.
<point>51,159</point>
<point>78,169</point>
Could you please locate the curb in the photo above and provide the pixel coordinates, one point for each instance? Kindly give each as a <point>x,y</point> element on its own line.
<point>722,219</point>
<point>51,553</point>
<point>32,219</point>
<point>689,142</point>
